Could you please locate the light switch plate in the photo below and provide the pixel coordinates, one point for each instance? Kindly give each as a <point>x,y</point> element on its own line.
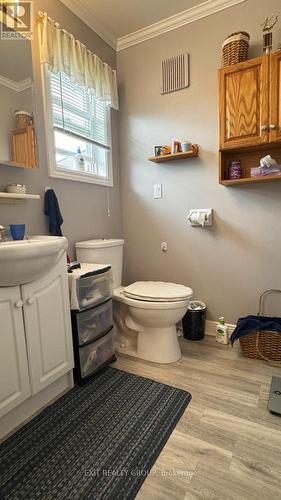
<point>157,191</point>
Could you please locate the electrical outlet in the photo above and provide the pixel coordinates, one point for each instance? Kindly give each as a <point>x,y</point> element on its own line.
<point>157,191</point>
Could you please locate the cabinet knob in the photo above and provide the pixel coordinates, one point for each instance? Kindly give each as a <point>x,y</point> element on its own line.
<point>30,300</point>
<point>272,126</point>
<point>264,127</point>
<point>19,304</point>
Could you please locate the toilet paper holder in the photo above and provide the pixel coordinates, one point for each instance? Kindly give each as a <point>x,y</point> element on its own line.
<point>200,217</point>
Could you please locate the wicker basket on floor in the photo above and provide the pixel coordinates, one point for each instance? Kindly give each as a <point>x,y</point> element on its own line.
<point>235,48</point>
<point>262,344</point>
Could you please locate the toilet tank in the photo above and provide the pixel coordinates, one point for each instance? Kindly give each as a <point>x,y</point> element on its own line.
<point>108,252</point>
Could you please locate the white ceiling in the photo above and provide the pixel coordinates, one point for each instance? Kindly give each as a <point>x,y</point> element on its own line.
<point>122,17</point>
<point>122,23</point>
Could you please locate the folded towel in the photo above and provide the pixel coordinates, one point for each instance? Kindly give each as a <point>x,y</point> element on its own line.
<point>249,324</point>
<point>52,210</point>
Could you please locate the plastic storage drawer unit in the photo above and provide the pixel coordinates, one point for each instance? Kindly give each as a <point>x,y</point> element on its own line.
<point>93,356</point>
<point>94,323</point>
<point>95,289</point>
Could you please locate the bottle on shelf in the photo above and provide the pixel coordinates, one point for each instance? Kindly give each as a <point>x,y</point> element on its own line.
<point>80,160</point>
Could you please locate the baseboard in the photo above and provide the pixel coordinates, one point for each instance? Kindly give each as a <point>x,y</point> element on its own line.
<point>210,327</point>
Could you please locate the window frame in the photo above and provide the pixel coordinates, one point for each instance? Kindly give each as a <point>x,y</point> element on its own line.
<point>53,169</point>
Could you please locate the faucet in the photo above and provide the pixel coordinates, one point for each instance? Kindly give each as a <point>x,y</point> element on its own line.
<point>2,233</point>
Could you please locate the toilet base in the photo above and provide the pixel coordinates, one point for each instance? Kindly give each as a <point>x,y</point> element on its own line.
<point>164,349</point>
<point>147,330</point>
<point>159,345</point>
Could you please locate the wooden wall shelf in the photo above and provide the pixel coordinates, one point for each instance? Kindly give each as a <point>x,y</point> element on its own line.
<point>11,164</point>
<point>177,156</point>
<point>250,180</point>
<point>17,197</point>
<point>250,157</point>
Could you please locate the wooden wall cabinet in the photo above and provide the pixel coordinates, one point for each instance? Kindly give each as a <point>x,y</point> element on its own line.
<point>244,103</point>
<point>275,97</point>
<point>250,115</point>
<point>24,148</point>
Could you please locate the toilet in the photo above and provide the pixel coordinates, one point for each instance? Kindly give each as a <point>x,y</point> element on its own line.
<point>145,312</point>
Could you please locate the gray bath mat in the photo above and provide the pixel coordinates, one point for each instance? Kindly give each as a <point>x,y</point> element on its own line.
<point>98,441</point>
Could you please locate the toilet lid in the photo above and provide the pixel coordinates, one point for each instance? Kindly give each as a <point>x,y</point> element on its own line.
<point>157,291</point>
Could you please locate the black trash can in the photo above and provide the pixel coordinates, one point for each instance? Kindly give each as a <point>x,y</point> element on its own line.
<point>194,321</point>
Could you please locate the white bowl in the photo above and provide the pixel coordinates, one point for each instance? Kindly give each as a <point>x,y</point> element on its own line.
<point>16,188</point>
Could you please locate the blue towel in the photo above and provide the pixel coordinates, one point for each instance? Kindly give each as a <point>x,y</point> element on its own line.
<point>52,210</point>
<point>255,323</point>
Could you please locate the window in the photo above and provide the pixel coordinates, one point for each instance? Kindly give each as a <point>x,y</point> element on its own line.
<point>79,131</point>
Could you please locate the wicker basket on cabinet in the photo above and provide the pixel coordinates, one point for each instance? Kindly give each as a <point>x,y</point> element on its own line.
<point>235,48</point>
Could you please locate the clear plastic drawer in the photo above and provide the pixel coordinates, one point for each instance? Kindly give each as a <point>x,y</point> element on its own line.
<point>92,323</point>
<point>92,290</point>
<point>94,355</point>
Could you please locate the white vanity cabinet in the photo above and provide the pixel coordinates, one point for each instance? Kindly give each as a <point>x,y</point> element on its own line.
<point>14,375</point>
<point>48,327</point>
<point>35,339</point>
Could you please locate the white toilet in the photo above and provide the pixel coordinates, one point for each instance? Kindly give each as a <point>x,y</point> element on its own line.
<point>146,312</point>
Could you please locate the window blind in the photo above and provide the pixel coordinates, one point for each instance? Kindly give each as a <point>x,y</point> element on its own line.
<point>76,110</point>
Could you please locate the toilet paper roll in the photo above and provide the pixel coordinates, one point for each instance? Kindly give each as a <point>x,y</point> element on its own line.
<point>197,218</point>
<point>193,217</point>
<point>201,218</point>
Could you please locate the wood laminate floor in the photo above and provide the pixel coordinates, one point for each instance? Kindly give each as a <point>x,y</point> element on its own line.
<point>227,445</point>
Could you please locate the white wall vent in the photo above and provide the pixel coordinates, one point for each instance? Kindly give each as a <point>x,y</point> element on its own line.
<point>175,73</point>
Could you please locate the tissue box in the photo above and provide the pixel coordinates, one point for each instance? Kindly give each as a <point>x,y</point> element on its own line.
<point>264,171</point>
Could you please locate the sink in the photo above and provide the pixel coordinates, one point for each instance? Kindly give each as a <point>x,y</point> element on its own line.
<point>28,260</point>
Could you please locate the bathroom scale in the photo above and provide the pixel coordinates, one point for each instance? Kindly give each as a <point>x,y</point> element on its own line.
<point>274,401</point>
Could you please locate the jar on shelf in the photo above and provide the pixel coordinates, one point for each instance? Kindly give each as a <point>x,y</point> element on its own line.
<point>235,169</point>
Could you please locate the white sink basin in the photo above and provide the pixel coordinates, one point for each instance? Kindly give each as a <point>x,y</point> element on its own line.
<point>27,260</point>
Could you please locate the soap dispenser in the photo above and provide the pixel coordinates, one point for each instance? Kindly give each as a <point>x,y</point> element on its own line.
<point>80,160</point>
<point>222,332</point>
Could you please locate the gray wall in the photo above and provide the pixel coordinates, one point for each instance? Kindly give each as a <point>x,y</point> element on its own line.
<point>83,206</point>
<point>10,101</point>
<point>229,264</point>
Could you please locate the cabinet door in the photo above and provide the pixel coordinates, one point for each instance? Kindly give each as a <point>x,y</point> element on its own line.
<point>24,147</point>
<point>244,113</point>
<point>14,376</point>
<point>48,327</point>
<point>20,150</point>
<point>32,147</point>
<point>275,97</point>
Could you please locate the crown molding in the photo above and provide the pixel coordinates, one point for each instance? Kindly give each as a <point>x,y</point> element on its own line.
<point>24,84</point>
<point>88,18</point>
<point>188,16</point>
<point>16,86</point>
<point>170,23</point>
<point>10,84</point>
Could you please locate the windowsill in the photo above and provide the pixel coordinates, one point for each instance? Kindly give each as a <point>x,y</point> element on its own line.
<point>80,177</point>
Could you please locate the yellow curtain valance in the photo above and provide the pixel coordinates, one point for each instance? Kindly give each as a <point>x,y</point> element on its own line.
<point>62,52</point>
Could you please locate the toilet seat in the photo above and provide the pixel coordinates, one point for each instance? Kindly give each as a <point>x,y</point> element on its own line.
<point>157,291</point>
